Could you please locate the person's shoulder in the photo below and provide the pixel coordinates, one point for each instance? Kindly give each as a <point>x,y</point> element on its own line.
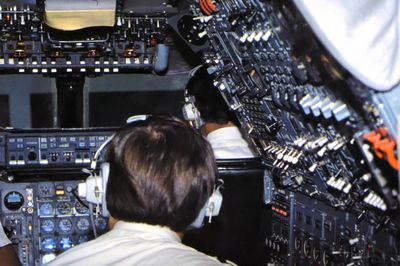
<point>184,255</point>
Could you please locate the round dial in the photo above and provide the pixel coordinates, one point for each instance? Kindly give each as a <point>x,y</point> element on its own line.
<point>65,243</point>
<point>47,225</point>
<point>64,208</point>
<point>100,223</point>
<point>46,209</point>
<point>65,225</point>
<point>13,201</point>
<point>79,208</point>
<point>48,243</point>
<point>83,239</point>
<point>83,224</point>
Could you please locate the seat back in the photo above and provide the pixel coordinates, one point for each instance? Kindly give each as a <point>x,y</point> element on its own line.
<point>238,233</point>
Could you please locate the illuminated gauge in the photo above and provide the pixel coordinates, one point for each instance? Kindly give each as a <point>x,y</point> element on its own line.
<point>79,208</point>
<point>64,208</point>
<point>46,209</point>
<point>83,224</point>
<point>100,223</point>
<point>13,201</point>
<point>83,239</point>
<point>65,243</point>
<point>48,244</point>
<point>65,225</point>
<point>48,257</point>
<point>47,225</point>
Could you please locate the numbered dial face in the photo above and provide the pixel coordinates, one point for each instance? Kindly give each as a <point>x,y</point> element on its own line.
<point>65,225</point>
<point>100,223</point>
<point>83,224</point>
<point>48,244</point>
<point>64,208</point>
<point>46,209</point>
<point>79,208</point>
<point>13,201</point>
<point>47,225</point>
<point>65,243</point>
<point>83,239</point>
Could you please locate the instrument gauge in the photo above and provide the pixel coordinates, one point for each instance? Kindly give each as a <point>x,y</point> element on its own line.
<point>13,201</point>
<point>79,208</point>
<point>100,223</point>
<point>83,224</point>
<point>48,244</point>
<point>47,225</point>
<point>83,239</point>
<point>65,225</point>
<point>46,209</point>
<point>64,208</point>
<point>65,243</point>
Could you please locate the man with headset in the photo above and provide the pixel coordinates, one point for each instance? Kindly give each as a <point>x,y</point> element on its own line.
<point>205,109</point>
<point>162,172</point>
<point>232,235</point>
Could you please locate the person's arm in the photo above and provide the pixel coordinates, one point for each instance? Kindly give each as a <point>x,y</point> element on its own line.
<point>7,253</point>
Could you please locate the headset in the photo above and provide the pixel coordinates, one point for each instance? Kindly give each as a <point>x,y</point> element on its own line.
<point>189,110</point>
<point>94,188</point>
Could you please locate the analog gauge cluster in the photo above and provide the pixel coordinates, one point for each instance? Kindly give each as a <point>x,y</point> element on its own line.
<point>45,219</point>
<point>63,220</point>
<point>49,244</point>
<point>58,234</point>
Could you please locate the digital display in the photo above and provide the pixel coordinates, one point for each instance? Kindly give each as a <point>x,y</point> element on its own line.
<point>13,201</point>
<point>14,197</point>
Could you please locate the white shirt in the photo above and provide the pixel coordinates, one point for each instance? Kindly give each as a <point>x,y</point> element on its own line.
<point>3,238</point>
<point>363,35</point>
<point>135,244</point>
<point>228,143</point>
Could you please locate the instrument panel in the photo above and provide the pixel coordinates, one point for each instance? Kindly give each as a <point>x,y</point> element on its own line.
<point>43,219</point>
<point>325,138</point>
<point>135,42</point>
<point>40,209</point>
<point>26,153</point>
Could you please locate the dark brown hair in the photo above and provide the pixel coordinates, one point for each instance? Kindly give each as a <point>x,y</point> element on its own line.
<point>209,101</point>
<point>162,172</point>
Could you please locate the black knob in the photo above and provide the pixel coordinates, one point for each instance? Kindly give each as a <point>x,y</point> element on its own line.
<point>32,156</point>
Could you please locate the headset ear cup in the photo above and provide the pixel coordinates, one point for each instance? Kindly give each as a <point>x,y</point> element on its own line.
<point>191,113</point>
<point>214,203</point>
<point>104,174</point>
<point>211,208</point>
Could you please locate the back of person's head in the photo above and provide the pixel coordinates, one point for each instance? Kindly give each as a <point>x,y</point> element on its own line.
<point>208,100</point>
<point>162,171</point>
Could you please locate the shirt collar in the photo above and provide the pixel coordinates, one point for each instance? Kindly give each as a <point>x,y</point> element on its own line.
<point>156,230</point>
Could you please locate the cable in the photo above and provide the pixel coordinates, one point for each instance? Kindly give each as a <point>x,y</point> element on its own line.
<point>78,198</point>
<point>92,220</point>
<point>93,164</point>
<point>90,207</point>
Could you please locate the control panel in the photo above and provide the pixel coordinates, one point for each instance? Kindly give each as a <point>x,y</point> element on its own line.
<point>35,152</point>
<point>135,41</point>
<point>43,219</point>
<point>315,234</point>
<point>325,137</point>
<point>40,208</point>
